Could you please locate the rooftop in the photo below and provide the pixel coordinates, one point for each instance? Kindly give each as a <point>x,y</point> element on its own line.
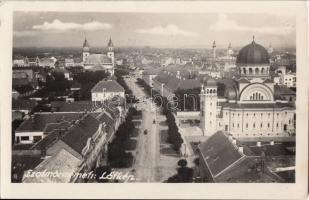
<point>219,153</point>
<point>108,86</point>
<point>62,162</point>
<point>76,106</point>
<point>77,137</point>
<point>97,59</point>
<point>40,121</point>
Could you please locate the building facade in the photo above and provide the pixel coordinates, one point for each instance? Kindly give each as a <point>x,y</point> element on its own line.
<point>251,109</point>
<point>96,61</point>
<point>107,90</point>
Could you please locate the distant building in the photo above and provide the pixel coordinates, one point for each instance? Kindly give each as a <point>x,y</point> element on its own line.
<point>96,62</point>
<point>65,72</point>
<point>289,80</point>
<point>47,62</point>
<point>106,90</point>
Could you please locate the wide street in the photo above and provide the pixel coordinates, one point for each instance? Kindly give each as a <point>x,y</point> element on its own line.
<point>148,147</point>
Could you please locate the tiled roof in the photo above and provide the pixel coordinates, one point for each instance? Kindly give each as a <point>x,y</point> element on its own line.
<point>47,141</point>
<point>109,86</point>
<point>76,106</point>
<point>57,126</point>
<point>40,120</point>
<point>173,83</point>
<point>77,137</point>
<point>219,153</point>
<point>62,162</point>
<point>98,59</point>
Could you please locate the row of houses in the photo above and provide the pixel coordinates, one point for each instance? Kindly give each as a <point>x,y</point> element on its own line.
<point>70,141</point>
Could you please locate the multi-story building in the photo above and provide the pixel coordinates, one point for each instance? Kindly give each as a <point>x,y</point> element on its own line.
<point>95,61</point>
<point>106,90</point>
<point>251,109</point>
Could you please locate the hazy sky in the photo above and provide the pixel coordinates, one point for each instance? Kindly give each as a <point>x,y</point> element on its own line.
<point>153,29</point>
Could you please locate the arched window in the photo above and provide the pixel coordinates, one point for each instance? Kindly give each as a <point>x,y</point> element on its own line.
<point>262,97</point>
<point>210,91</point>
<point>214,91</point>
<point>244,71</point>
<point>261,125</point>
<point>256,70</point>
<point>253,97</point>
<point>263,71</point>
<point>259,96</point>
<point>207,91</point>
<point>250,71</point>
<point>253,125</point>
<point>250,97</point>
<point>246,125</point>
<point>268,125</point>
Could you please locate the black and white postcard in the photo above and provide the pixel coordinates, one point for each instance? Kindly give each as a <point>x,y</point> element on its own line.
<point>163,99</point>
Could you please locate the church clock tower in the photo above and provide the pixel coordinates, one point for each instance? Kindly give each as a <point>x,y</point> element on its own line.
<point>86,50</point>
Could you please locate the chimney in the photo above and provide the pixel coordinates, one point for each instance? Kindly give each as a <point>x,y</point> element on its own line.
<point>241,150</point>
<point>258,144</point>
<point>272,143</point>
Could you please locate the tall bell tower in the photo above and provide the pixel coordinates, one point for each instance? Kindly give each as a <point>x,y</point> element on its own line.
<point>208,113</point>
<point>86,50</point>
<point>110,52</point>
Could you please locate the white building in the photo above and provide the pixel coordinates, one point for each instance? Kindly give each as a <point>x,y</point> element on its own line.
<point>97,61</point>
<point>251,109</point>
<point>106,90</point>
<point>289,79</point>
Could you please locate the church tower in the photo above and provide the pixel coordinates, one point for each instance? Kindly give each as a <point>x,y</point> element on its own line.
<point>230,51</point>
<point>86,50</point>
<point>214,50</point>
<point>111,55</point>
<point>208,113</point>
<point>110,52</point>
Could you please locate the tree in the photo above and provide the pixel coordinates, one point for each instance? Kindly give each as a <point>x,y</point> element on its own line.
<point>184,173</point>
<point>182,163</point>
